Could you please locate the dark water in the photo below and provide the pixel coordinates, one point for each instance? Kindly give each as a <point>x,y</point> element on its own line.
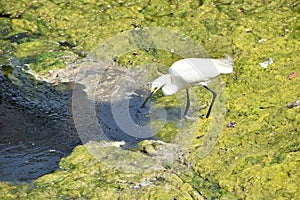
<point>37,129</point>
<point>35,126</point>
<point>138,116</point>
<point>31,145</point>
<point>32,142</point>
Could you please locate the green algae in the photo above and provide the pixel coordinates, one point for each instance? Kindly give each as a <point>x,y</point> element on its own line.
<point>250,161</point>
<point>96,180</point>
<point>168,132</point>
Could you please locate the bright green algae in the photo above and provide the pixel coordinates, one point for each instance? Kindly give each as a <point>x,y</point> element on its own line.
<point>82,176</point>
<point>258,158</point>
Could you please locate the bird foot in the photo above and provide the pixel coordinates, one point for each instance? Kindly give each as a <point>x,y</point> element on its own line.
<point>203,119</point>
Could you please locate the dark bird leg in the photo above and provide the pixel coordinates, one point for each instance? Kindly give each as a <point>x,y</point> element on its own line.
<point>152,92</point>
<point>146,100</point>
<point>212,101</point>
<point>187,103</point>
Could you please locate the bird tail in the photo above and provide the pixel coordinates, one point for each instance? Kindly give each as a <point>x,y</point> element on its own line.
<point>224,66</point>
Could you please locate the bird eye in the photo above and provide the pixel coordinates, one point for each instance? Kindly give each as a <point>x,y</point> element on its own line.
<point>154,90</point>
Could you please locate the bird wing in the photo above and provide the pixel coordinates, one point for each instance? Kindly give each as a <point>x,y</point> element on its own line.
<point>194,70</point>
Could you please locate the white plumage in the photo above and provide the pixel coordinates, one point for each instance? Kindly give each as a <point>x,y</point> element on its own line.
<point>189,72</point>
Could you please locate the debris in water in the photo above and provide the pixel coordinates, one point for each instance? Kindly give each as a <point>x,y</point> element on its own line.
<point>292,75</point>
<point>261,40</point>
<point>294,104</point>
<point>266,63</point>
<point>231,124</point>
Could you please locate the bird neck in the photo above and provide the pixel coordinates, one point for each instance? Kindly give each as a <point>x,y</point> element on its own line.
<point>176,84</point>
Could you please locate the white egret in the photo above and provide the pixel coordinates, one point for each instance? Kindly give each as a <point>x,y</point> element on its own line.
<point>191,72</point>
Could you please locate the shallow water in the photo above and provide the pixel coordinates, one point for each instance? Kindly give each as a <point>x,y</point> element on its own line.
<point>31,145</point>
<point>37,128</point>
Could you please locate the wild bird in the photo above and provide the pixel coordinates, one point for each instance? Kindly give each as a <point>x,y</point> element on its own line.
<point>189,72</point>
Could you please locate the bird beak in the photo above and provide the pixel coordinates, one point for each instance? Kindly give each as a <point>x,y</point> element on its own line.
<point>152,92</point>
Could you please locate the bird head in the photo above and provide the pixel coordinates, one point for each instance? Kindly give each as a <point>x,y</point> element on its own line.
<point>157,84</point>
<point>155,87</point>
<point>160,82</point>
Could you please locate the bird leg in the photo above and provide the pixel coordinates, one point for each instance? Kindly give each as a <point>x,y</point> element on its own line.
<point>187,103</point>
<point>145,101</point>
<point>212,101</point>
<point>152,92</point>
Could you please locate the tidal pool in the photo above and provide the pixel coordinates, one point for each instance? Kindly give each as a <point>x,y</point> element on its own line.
<point>31,145</point>
<point>37,128</point>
